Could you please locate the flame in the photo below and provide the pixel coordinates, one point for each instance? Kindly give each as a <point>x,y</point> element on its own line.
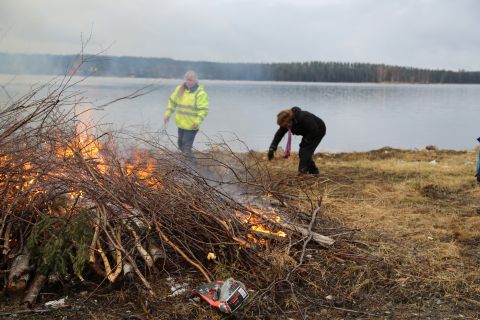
<point>89,148</point>
<point>143,169</point>
<point>261,228</point>
<point>256,222</point>
<point>27,180</point>
<point>26,177</point>
<point>255,240</point>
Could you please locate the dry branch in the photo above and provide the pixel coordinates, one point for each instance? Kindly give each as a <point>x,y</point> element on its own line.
<point>183,254</point>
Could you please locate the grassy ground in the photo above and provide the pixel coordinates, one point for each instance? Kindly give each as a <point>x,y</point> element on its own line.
<point>419,211</point>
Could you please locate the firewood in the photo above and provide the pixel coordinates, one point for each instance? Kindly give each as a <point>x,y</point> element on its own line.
<point>319,238</point>
<point>35,288</point>
<point>18,275</point>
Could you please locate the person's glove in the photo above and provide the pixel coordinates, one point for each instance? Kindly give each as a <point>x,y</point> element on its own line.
<point>270,154</point>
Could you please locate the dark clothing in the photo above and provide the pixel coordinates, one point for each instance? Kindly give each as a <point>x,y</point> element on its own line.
<point>477,170</point>
<point>312,129</point>
<point>306,164</point>
<point>185,140</point>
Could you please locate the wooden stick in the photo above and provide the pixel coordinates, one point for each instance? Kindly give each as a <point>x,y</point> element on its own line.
<point>6,240</point>
<point>35,288</point>
<point>140,275</point>
<point>320,239</point>
<point>131,262</point>
<point>25,311</point>
<point>97,247</point>
<point>118,259</point>
<point>93,246</point>
<point>138,244</point>
<point>193,263</point>
<point>228,228</point>
<point>106,263</point>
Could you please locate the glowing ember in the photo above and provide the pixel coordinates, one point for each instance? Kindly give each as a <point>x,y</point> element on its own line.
<point>256,222</point>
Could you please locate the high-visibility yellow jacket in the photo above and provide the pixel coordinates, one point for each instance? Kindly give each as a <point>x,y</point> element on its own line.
<point>191,108</point>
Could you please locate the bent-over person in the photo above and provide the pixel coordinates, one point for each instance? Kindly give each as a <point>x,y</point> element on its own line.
<point>303,123</point>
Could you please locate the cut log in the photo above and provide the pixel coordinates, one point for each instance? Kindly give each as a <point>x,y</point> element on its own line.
<point>35,288</point>
<point>18,276</point>
<point>320,239</point>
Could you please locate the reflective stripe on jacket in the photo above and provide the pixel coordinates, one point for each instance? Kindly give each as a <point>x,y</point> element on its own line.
<point>191,108</point>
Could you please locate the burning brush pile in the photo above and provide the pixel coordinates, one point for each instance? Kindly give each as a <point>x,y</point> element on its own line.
<point>77,208</point>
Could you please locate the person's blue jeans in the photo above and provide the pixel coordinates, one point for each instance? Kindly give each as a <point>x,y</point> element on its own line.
<point>185,141</point>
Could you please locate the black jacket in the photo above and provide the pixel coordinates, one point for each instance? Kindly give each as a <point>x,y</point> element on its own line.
<point>305,124</point>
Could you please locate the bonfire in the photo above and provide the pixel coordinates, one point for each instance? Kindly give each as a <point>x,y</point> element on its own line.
<point>78,207</point>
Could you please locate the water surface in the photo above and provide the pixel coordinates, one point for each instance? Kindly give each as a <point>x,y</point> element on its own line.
<point>359,117</point>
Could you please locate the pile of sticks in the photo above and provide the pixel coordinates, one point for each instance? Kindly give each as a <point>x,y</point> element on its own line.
<point>145,210</point>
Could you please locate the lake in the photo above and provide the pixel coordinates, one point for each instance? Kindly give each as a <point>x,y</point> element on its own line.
<point>359,117</point>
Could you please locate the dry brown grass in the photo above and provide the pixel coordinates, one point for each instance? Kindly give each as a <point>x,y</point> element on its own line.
<point>415,209</point>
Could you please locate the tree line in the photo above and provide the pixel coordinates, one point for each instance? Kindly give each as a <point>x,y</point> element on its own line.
<point>314,71</point>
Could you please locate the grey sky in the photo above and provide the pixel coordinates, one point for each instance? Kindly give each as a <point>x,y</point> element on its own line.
<point>418,33</point>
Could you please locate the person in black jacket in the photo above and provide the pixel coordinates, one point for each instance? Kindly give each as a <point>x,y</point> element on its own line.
<point>477,170</point>
<point>303,123</point>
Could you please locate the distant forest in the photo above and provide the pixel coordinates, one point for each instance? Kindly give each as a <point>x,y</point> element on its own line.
<point>315,71</point>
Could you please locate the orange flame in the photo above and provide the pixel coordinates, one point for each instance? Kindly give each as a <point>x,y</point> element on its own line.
<point>257,224</point>
<point>143,169</point>
<point>88,147</point>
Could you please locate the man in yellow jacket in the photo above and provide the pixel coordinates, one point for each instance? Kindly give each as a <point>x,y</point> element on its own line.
<point>189,101</point>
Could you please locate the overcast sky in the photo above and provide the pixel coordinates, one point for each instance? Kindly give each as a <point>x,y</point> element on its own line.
<point>418,33</point>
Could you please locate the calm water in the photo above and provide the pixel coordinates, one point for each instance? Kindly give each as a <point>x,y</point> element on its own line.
<point>359,117</point>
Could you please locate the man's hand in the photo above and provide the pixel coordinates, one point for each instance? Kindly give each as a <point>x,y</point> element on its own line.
<point>270,154</point>
<point>194,126</point>
<point>165,120</point>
